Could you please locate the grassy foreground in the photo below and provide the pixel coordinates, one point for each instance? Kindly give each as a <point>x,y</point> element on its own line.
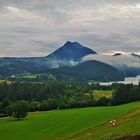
<point>127,125</point>
<point>63,124</point>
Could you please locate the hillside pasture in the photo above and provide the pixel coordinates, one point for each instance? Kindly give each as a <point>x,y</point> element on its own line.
<point>127,128</point>
<point>61,124</point>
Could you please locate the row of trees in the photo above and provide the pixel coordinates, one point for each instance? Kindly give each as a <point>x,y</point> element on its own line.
<point>125,94</point>
<point>16,99</point>
<point>42,97</point>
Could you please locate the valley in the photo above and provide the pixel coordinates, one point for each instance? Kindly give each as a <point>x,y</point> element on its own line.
<point>69,70</point>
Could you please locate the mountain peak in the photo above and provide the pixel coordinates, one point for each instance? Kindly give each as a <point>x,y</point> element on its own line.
<point>70,42</point>
<point>117,54</point>
<point>71,51</point>
<point>73,44</point>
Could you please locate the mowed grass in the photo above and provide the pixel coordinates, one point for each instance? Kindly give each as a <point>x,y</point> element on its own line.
<point>2,81</point>
<point>28,76</point>
<point>102,93</point>
<point>62,124</point>
<point>127,125</point>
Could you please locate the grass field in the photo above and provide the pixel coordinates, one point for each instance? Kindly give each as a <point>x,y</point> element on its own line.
<point>102,93</point>
<point>127,125</point>
<point>28,76</point>
<point>2,81</point>
<point>34,76</point>
<point>57,125</point>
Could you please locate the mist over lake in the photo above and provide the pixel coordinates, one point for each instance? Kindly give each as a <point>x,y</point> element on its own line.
<point>128,80</point>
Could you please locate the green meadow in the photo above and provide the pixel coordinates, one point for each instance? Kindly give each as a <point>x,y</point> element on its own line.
<point>62,124</point>
<point>127,125</point>
<point>102,93</point>
<point>33,76</point>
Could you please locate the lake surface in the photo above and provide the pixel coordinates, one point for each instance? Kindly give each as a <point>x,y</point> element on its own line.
<point>128,80</point>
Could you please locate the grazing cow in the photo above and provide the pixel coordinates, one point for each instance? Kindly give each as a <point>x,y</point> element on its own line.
<point>113,122</point>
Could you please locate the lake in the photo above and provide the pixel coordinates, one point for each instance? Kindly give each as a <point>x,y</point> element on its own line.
<point>128,80</point>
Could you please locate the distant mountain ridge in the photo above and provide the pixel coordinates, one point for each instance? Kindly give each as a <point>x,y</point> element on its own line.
<point>64,63</point>
<point>117,54</point>
<point>128,69</point>
<point>135,55</point>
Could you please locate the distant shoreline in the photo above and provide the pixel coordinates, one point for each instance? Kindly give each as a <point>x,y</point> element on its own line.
<point>128,80</point>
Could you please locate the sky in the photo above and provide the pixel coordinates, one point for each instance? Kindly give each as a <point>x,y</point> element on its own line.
<point>38,27</point>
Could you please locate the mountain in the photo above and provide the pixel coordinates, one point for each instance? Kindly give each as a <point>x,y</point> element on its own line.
<point>88,70</point>
<point>82,72</point>
<point>128,64</point>
<point>69,54</point>
<point>71,51</point>
<point>65,63</point>
<point>128,71</point>
<point>117,54</point>
<point>135,55</point>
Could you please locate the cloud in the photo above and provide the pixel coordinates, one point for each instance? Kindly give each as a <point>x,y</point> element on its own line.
<point>125,59</point>
<point>36,28</point>
<point>21,13</point>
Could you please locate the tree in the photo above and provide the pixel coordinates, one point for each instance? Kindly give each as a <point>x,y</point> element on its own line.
<point>6,102</point>
<point>18,110</point>
<point>125,94</point>
<point>1,108</point>
<point>104,101</point>
<point>9,111</point>
<point>43,105</point>
<point>34,106</point>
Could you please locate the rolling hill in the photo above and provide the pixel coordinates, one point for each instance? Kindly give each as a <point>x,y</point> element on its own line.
<point>128,64</point>
<point>82,72</point>
<point>72,124</point>
<point>90,70</point>
<point>127,128</point>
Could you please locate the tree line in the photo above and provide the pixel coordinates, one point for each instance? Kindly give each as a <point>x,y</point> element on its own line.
<point>126,94</point>
<point>16,98</point>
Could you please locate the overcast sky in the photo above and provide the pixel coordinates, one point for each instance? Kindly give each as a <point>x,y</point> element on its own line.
<point>38,27</point>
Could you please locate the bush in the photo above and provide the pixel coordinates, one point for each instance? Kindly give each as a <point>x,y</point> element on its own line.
<point>104,101</point>
<point>18,110</point>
